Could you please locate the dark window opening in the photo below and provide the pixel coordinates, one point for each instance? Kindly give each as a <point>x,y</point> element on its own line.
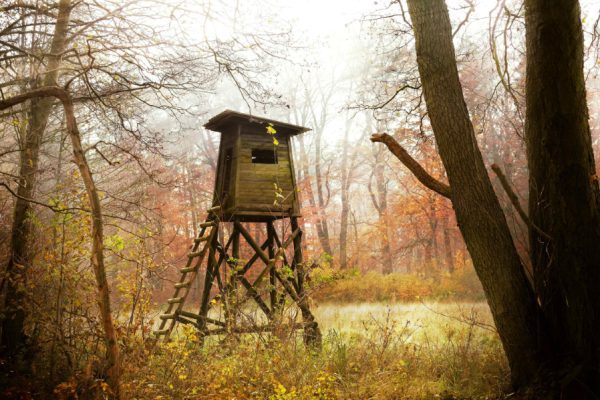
<point>264,156</point>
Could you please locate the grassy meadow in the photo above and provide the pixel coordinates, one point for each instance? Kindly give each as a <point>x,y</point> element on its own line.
<point>416,350</point>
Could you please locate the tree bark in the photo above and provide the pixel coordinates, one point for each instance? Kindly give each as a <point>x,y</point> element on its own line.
<point>478,211</point>
<point>564,199</point>
<point>14,340</point>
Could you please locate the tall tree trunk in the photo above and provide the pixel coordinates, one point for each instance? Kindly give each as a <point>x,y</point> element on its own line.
<point>478,211</point>
<point>355,248</point>
<point>347,177</point>
<point>448,251</point>
<point>434,269</point>
<point>189,188</point>
<point>14,339</point>
<point>410,255</point>
<point>319,120</point>
<point>564,200</point>
<point>388,260</point>
<point>113,366</point>
<point>380,202</point>
<point>320,222</point>
<point>324,227</point>
<point>384,215</point>
<point>345,203</point>
<point>428,256</point>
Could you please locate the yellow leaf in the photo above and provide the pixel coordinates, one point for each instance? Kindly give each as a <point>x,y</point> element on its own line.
<point>275,142</point>
<point>271,130</point>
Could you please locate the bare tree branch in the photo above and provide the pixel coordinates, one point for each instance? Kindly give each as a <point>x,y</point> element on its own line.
<point>414,167</point>
<point>515,201</point>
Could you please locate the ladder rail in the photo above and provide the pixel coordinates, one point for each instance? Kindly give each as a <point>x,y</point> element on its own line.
<point>196,257</point>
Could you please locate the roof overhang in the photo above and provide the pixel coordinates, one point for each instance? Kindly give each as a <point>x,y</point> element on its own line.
<point>219,122</point>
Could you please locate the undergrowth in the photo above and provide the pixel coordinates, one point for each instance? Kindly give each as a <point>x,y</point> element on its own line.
<point>386,359</point>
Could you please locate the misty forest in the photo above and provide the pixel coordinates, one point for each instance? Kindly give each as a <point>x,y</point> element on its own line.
<point>279,199</point>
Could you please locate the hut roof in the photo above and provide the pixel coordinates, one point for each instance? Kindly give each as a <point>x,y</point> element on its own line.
<point>221,121</point>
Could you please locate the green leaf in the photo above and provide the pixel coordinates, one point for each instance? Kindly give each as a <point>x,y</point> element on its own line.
<point>115,243</point>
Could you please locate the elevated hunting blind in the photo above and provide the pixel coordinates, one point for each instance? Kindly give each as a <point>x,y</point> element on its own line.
<point>255,183</point>
<point>255,175</point>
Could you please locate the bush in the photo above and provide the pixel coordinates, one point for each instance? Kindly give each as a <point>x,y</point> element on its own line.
<point>353,287</point>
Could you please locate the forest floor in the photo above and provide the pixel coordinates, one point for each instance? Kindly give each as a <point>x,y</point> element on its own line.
<point>370,351</point>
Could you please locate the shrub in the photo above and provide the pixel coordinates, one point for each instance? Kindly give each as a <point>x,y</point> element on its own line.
<point>396,287</point>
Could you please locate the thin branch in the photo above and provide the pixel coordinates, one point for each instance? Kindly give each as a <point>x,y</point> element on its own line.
<point>39,203</point>
<point>515,201</point>
<point>466,19</point>
<point>389,100</point>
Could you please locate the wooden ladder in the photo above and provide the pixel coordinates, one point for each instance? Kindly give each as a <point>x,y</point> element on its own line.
<point>208,230</point>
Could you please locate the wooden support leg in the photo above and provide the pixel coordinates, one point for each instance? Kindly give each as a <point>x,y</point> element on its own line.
<point>230,293</point>
<point>269,252</point>
<point>208,280</point>
<point>285,260</point>
<point>272,279</point>
<point>312,333</point>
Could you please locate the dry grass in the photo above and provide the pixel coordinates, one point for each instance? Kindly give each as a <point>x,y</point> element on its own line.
<point>370,351</point>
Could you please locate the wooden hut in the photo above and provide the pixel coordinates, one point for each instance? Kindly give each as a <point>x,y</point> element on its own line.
<point>255,173</point>
<point>255,183</point>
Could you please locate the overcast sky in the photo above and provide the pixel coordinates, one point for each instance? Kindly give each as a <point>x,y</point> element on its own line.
<point>329,36</point>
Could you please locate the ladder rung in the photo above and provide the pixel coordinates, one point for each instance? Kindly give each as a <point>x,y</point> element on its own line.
<point>188,269</point>
<point>189,315</point>
<point>168,316</point>
<point>175,300</point>
<point>180,285</point>
<point>207,224</point>
<point>195,254</point>
<point>213,209</point>
<point>201,239</point>
<point>161,332</point>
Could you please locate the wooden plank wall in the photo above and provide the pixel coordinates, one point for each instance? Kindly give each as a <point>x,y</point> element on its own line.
<point>256,181</point>
<point>228,142</point>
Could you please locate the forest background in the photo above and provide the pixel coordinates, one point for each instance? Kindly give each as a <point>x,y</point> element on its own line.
<point>145,75</point>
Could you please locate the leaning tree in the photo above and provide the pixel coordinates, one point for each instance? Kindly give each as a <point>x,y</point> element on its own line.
<point>548,325</point>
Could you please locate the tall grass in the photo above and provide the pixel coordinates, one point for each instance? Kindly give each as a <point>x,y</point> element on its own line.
<point>370,351</point>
